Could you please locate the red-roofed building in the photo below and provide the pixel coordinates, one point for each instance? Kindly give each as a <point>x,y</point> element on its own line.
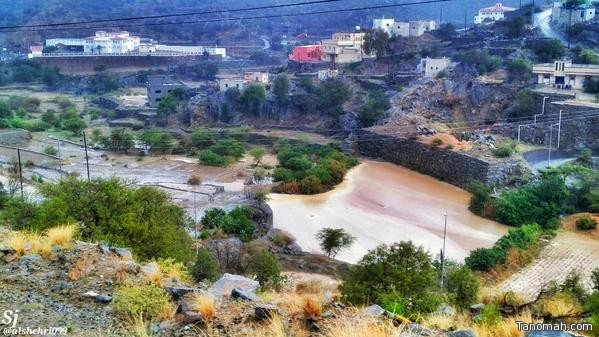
<point>35,51</point>
<point>493,13</point>
<point>307,54</point>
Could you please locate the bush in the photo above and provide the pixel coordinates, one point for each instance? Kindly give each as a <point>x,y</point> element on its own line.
<point>206,266</point>
<point>481,59</point>
<point>586,223</point>
<point>209,158</point>
<point>283,174</point>
<point>483,259</point>
<point>310,185</point>
<point>490,315</point>
<point>194,180</point>
<point>548,51</point>
<point>51,150</point>
<point>436,142</point>
<point>463,287</point>
<point>213,218</point>
<point>143,218</point>
<point>402,268</point>
<point>146,300</point>
<point>481,197</point>
<point>333,240</point>
<point>503,151</point>
<point>265,267</point>
<point>238,222</point>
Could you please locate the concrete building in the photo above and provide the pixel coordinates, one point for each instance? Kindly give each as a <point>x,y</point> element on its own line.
<point>430,67</point>
<point>35,51</point>
<point>101,43</point>
<point>327,74</point>
<point>344,48</point>
<point>199,50</point>
<point>228,83</point>
<point>257,77</point>
<point>159,86</point>
<point>565,74</point>
<point>404,28</point>
<point>307,54</point>
<point>493,13</point>
<point>563,16</point>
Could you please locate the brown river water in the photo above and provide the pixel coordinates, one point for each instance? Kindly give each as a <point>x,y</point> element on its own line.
<point>385,203</point>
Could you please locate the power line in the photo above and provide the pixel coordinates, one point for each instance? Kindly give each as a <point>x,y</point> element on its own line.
<point>162,16</point>
<point>244,18</point>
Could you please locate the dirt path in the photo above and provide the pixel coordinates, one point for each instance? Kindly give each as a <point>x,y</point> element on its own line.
<point>568,252</point>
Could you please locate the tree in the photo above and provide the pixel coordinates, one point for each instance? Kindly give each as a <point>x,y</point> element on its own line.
<point>258,153</point>
<point>119,140</point>
<point>5,110</point>
<point>333,240</point>
<point>517,27</point>
<point>483,259</point>
<point>333,94</point>
<point>75,125</point>
<point>281,89</point>
<point>446,31</point>
<point>463,286</point>
<point>548,51</point>
<point>374,109</point>
<point>206,266</point>
<point>376,42</point>
<point>524,105</point>
<point>167,107</point>
<point>481,197</point>
<point>519,70</point>
<point>402,269</point>
<point>158,140</point>
<point>253,98</point>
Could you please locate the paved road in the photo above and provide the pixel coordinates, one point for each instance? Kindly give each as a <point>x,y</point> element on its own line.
<point>543,20</point>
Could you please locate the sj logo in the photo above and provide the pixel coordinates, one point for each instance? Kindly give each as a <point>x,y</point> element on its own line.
<point>10,317</point>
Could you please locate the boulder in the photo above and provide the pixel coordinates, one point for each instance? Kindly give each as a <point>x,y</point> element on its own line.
<point>374,310</point>
<point>549,334</point>
<point>103,299</point>
<point>419,330</point>
<point>265,311</point>
<point>178,292</point>
<point>240,294</point>
<point>462,333</point>
<point>227,252</point>
<point>477,309</point>
<point>30,259</point>
<point>191,317</point>
<point>103,247</point>
<point>7,249</point>
<point>150,268</point>
<point>445,310</point>
<point>122,252</point>
<point>225,285</point>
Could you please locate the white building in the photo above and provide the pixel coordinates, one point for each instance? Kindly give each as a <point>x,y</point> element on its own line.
<point>493,13</point>
<point>101,43</point>
<point>228,83</point>
<point>430,67</point>
<point>192,50</point>
<point>257,77</point>
<point>35,51</point>
<point>327,74</point>
<point>565,74</point>
<point>404,28</point>
<point>344,48</point>
<point>569,16</point>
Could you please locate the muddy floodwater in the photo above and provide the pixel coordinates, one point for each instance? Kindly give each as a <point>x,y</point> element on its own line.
<point>385,203</point>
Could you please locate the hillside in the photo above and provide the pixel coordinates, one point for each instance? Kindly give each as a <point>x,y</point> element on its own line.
<point>37,11</point>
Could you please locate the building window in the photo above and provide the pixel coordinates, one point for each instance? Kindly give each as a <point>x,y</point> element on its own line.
<point>158,92</point>
<point>546,76</point>
<point>158,99</point>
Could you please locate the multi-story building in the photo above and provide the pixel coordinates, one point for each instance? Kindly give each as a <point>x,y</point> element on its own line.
<point>228,83</point>
<point>493,13</point>
<point>159,86</point>
<point>565,74</point>
<point>101,43</point>
<point>567,16</point>
<point>307,54</point>
<point>430,67</point>
<point>344,48</point>
<point>215,51</point>
<point>404,28</point>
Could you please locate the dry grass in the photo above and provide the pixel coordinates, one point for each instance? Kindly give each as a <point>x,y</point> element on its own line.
<point>203,304</point>
<point>18,242</point>
<point>138,327</point>
<point>309,287</point>
<point>312,307</point>
<point>506,328</point>
<point>155,276</point>
<point>40,245</point>
<point>275,328</point>
<point>360,328</point>
<point>168,312</point>
<point>440,322</point>
<point>61,235</point>
<point>561,305</point>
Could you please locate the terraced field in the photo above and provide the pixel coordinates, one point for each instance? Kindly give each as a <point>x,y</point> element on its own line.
<point>568,252</point>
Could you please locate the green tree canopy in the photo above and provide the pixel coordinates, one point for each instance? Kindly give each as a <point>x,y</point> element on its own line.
<point>333,240</point>
<point>281,89</point>
<point>253,98</point>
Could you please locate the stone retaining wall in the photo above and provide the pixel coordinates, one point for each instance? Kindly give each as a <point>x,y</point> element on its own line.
<point>453,167</point>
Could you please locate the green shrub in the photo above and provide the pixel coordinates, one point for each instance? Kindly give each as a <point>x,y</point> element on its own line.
<point>436,142</point>
<point>310,185</point>
<point>265,267</point>
<point>283,174</point>
<point>395,303</point>
<point>229,148</point>
<point>463,287</point>
<point>586,223</point>
<point>490,315</point>
<point>209,158</point>
<point>502,151</point>
<point>51,150</point>
<point>483,259</point>
<point>595,280</point>
<point>146,300</point>
<point>206,266</point>
<point>238,222</point>
<point>213,218</point>
<point>481,197</point>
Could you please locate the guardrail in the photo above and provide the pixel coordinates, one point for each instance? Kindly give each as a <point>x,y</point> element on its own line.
<point>161,54</point>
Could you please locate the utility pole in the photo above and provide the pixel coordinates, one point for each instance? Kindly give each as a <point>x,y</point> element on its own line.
<point>195,220</point>
<point>559,127</point>
<point>550,143</point>
<point>59,158</point>
<point>86,156</point>
<point>20,171</point>
<point>440,16</point>
<point>465,21</point>
<point>443,253</point>
<point>570,27</point>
